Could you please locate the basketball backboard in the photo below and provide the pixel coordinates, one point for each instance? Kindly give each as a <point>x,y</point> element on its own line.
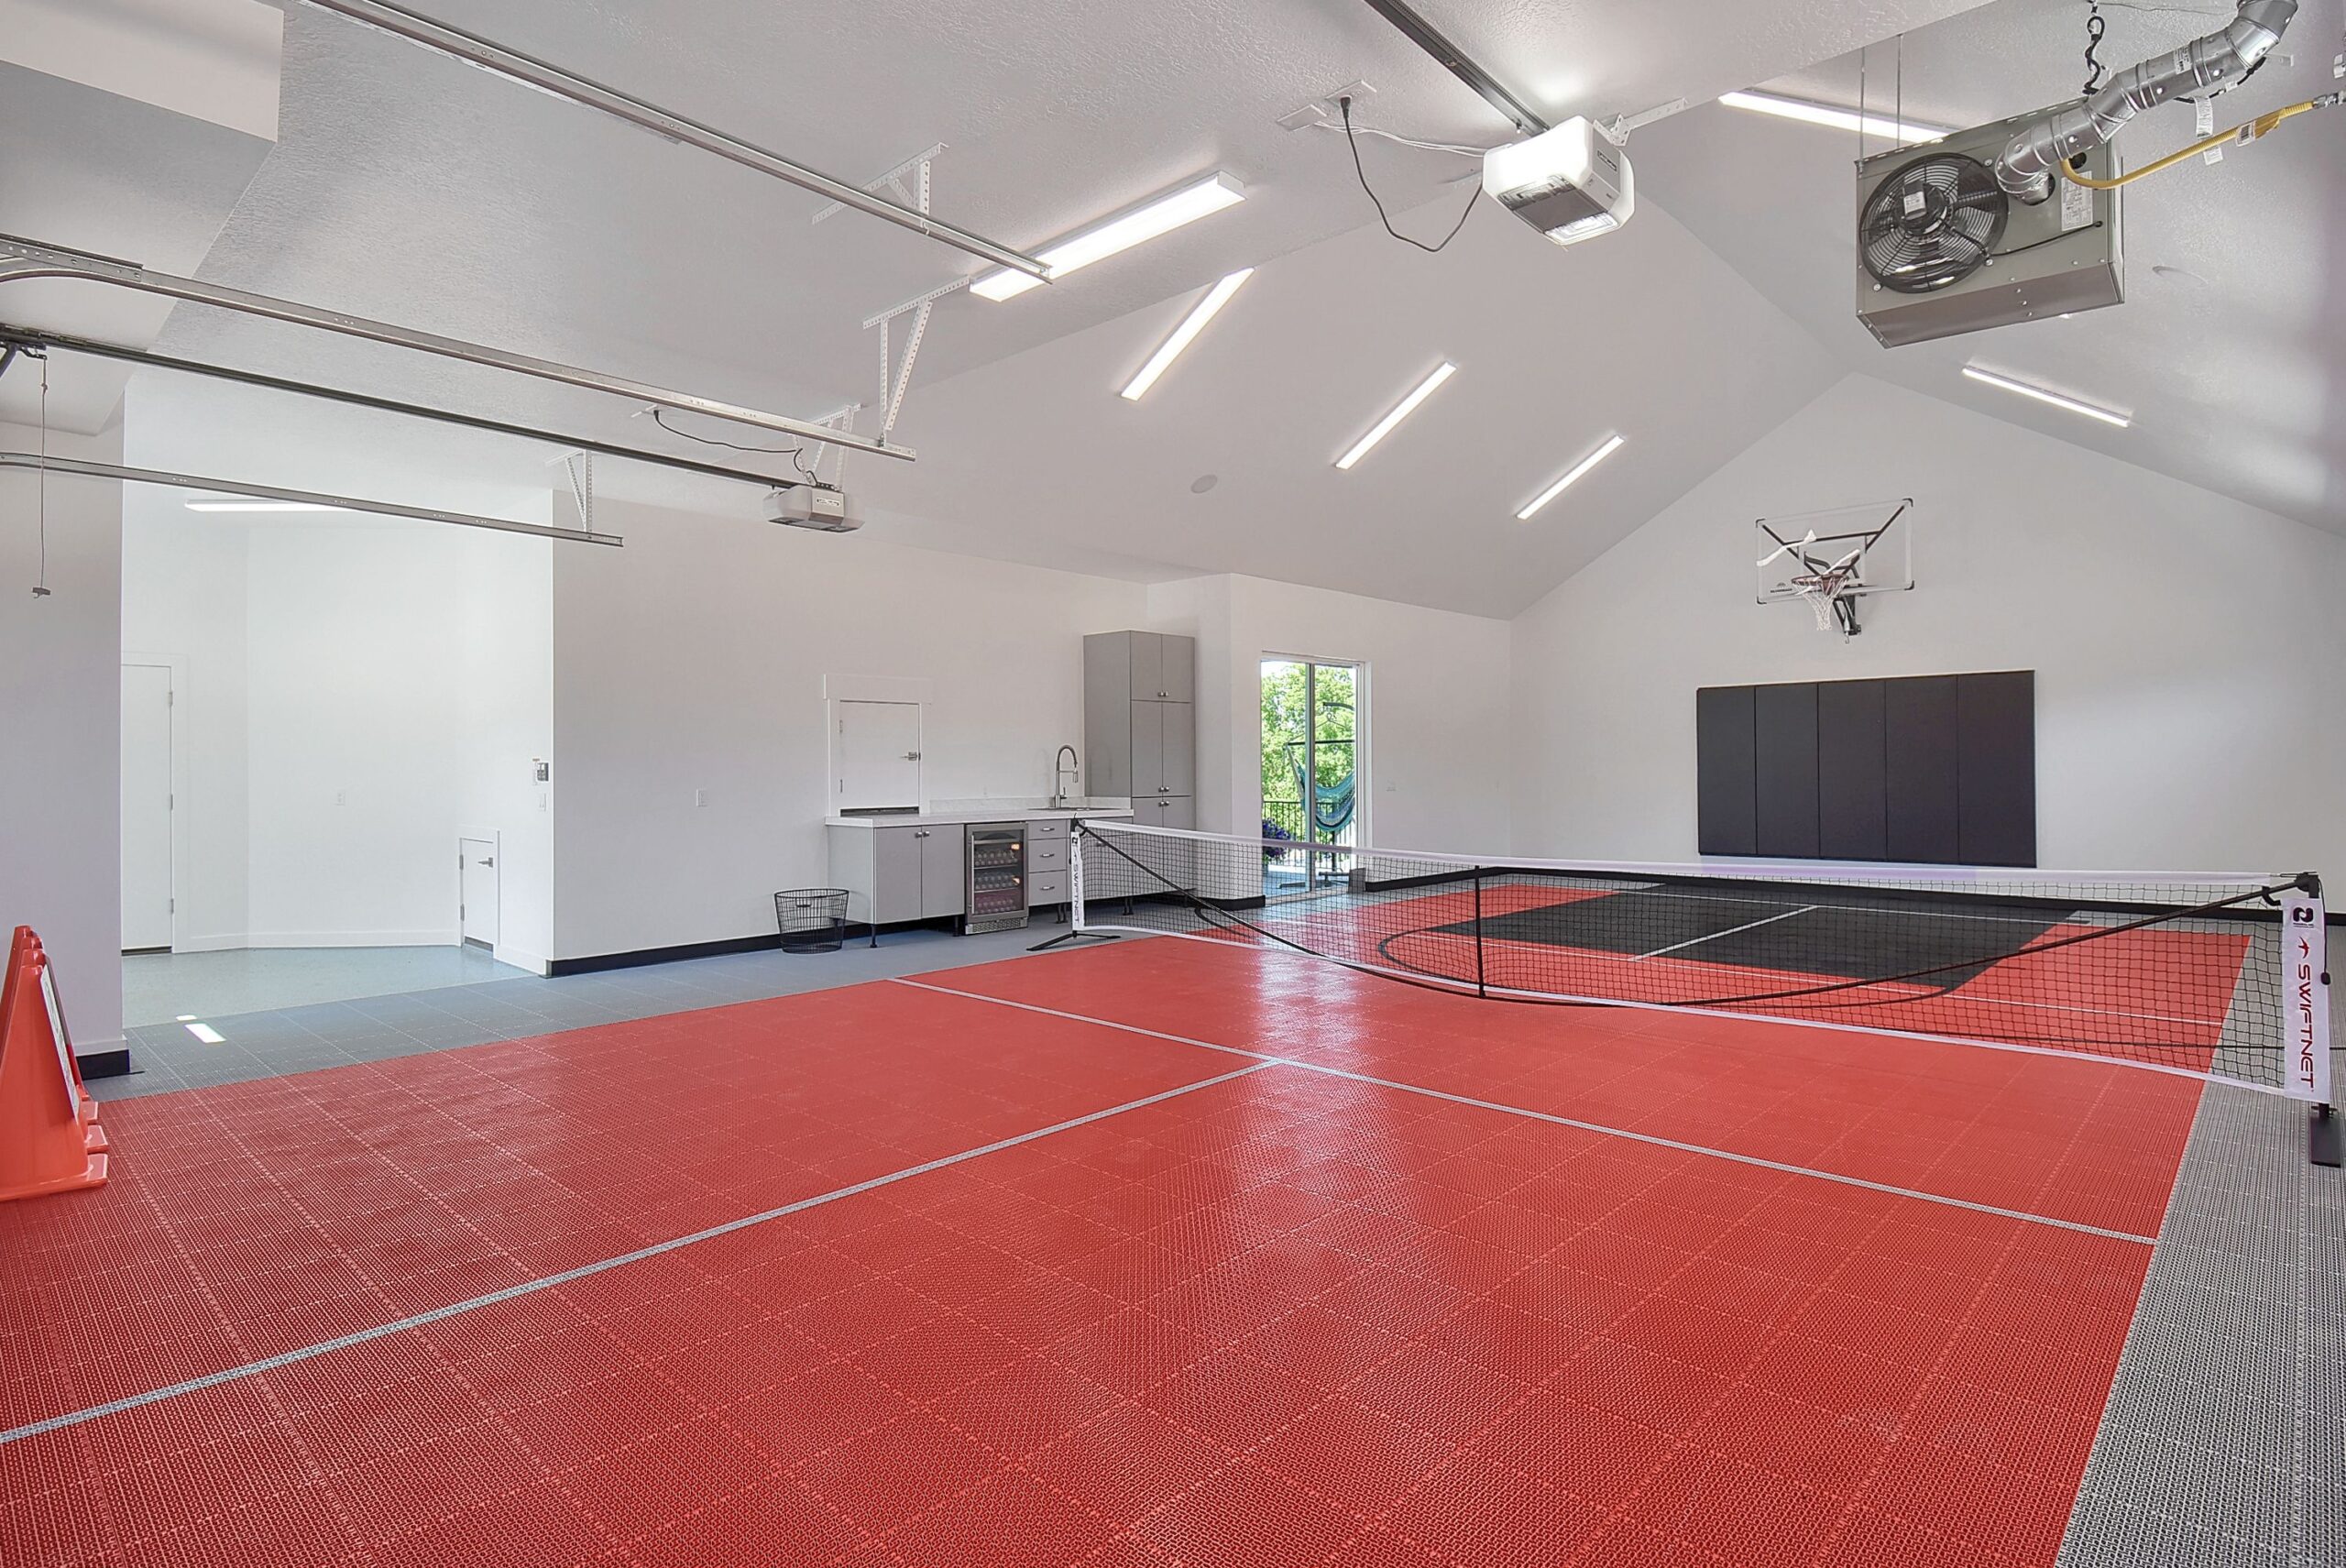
<point>1873,543</point>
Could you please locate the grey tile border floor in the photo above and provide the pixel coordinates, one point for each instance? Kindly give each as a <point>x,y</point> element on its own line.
<point>2224,1438</point>
<point>158,988</point>
<point>278,1041</point>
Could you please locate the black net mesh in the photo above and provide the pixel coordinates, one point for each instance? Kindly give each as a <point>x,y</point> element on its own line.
<point>2179,972</point>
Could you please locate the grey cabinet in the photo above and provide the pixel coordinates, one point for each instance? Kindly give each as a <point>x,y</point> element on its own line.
<point>899,873</point>
<point>1147,666</point>
<point>895,889</point>
<point>1140,727</point>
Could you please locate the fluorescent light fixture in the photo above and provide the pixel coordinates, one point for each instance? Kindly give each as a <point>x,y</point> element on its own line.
<point>1578,471</point>
<point>2107,416</point>
<point>1145,222</point>
<point>1191,324</point>
<point>232,503</point>
<point>207,1034</point>
<point>1407,407</point>
<point>1839,119</point>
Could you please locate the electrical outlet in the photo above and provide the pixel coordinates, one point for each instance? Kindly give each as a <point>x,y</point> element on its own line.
<point>342,798</point>
<point>1325,112</point>
<point>700,797</point>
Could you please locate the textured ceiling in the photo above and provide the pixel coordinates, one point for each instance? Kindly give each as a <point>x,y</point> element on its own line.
<point>410,188</point>
<point>103,172</point>
<point>1555,349</point>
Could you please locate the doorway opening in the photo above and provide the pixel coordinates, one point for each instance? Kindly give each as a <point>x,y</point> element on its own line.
<point>149,803</point>
<point>1314,773</point>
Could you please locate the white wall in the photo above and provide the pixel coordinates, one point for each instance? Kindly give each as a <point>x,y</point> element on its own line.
<point>356,695</point>
<point>1436,711</point>
<point>505,725</point>
<point>693,660</point>
<point>2171,733</point>
<point>60,738</point>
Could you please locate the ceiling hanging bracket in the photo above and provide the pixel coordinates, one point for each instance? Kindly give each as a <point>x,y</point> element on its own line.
<point>579,467</point>
<point>892,180</point>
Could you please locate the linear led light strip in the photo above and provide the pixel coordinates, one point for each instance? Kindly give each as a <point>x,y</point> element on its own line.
<point>1407,407</point>
<point>1166,213</point>
<point>1184,335</point>
<point>1578,471</point>
<point>1827,115</point>
<point>2042,395</point>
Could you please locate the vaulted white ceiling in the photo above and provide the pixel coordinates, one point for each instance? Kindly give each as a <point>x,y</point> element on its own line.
<point>409,188</point>
<point>2231,348</point>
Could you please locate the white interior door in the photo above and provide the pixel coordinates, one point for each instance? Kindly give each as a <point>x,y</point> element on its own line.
<point>479,858</point>
<point>875,752</point>
<point>147,806</point>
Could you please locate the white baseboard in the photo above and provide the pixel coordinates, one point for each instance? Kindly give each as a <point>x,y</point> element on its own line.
<point>536,963</point>
<point>448,938</point>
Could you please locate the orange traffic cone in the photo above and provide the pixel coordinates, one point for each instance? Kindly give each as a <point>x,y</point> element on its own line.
<point>49,1137</point>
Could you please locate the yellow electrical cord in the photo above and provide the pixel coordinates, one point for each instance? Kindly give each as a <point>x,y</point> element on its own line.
<point>2259,126</point>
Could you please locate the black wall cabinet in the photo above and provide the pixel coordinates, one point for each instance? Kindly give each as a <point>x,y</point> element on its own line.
<point>1933,769</point>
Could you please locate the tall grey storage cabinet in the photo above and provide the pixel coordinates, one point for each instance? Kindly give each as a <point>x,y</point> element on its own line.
<point>1140,726</point>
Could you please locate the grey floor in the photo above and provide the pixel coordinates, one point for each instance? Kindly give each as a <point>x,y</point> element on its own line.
<point>2225,1439</point>
<point>265,1042</point>
<point>158,988</point>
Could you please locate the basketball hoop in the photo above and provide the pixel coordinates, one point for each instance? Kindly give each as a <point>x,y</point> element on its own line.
<point>1829,560</point>
<point>1822,591</point>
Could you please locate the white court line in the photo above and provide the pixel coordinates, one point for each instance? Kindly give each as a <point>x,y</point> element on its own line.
<point>420,1319</point>
<point>1599,1127</point>
<point>1698,941</point>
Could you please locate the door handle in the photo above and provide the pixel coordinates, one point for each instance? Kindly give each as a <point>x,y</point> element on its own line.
<point>912,756</point>
<point>488,861</point>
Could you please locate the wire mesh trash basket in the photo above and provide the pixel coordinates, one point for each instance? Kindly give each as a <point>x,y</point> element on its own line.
<point>811,919</point>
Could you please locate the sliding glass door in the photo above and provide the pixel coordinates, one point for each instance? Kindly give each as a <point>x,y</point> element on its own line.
<point>1313,784</point>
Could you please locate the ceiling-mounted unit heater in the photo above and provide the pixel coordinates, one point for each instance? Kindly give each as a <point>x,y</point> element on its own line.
<point>1942,250</point>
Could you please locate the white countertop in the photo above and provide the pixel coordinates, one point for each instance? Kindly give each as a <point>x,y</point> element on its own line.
<point>1004,813</point>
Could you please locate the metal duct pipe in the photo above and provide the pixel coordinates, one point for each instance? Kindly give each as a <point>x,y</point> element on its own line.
<point>2026,166</point>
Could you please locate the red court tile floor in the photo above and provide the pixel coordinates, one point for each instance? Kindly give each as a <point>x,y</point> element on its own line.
<point>1085,1295</point>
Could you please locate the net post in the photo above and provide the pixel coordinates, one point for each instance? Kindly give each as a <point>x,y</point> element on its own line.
<point>1075,877</point>
<point>2304,1006</point>
<point>1482,986</point>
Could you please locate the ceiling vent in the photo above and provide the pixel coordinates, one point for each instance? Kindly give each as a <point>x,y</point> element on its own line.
<point>1943,250</point>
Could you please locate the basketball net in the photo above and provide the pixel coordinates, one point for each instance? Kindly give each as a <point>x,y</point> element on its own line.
<point>1821,590</point>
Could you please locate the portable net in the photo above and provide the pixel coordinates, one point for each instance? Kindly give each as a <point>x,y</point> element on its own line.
<point>2180,973</point>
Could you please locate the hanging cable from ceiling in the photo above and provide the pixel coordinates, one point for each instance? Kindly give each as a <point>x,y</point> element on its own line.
<point>41,582</point>
<point>1473,196</point>
<point>2095,71</point>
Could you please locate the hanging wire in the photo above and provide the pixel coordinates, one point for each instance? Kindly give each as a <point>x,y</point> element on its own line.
<point>1861,103</point>
<point>41,584</point>
<point>1474,197</point>
<point>2095,27</point>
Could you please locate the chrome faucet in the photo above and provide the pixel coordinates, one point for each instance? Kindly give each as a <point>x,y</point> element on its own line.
<point>1060,772</point>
